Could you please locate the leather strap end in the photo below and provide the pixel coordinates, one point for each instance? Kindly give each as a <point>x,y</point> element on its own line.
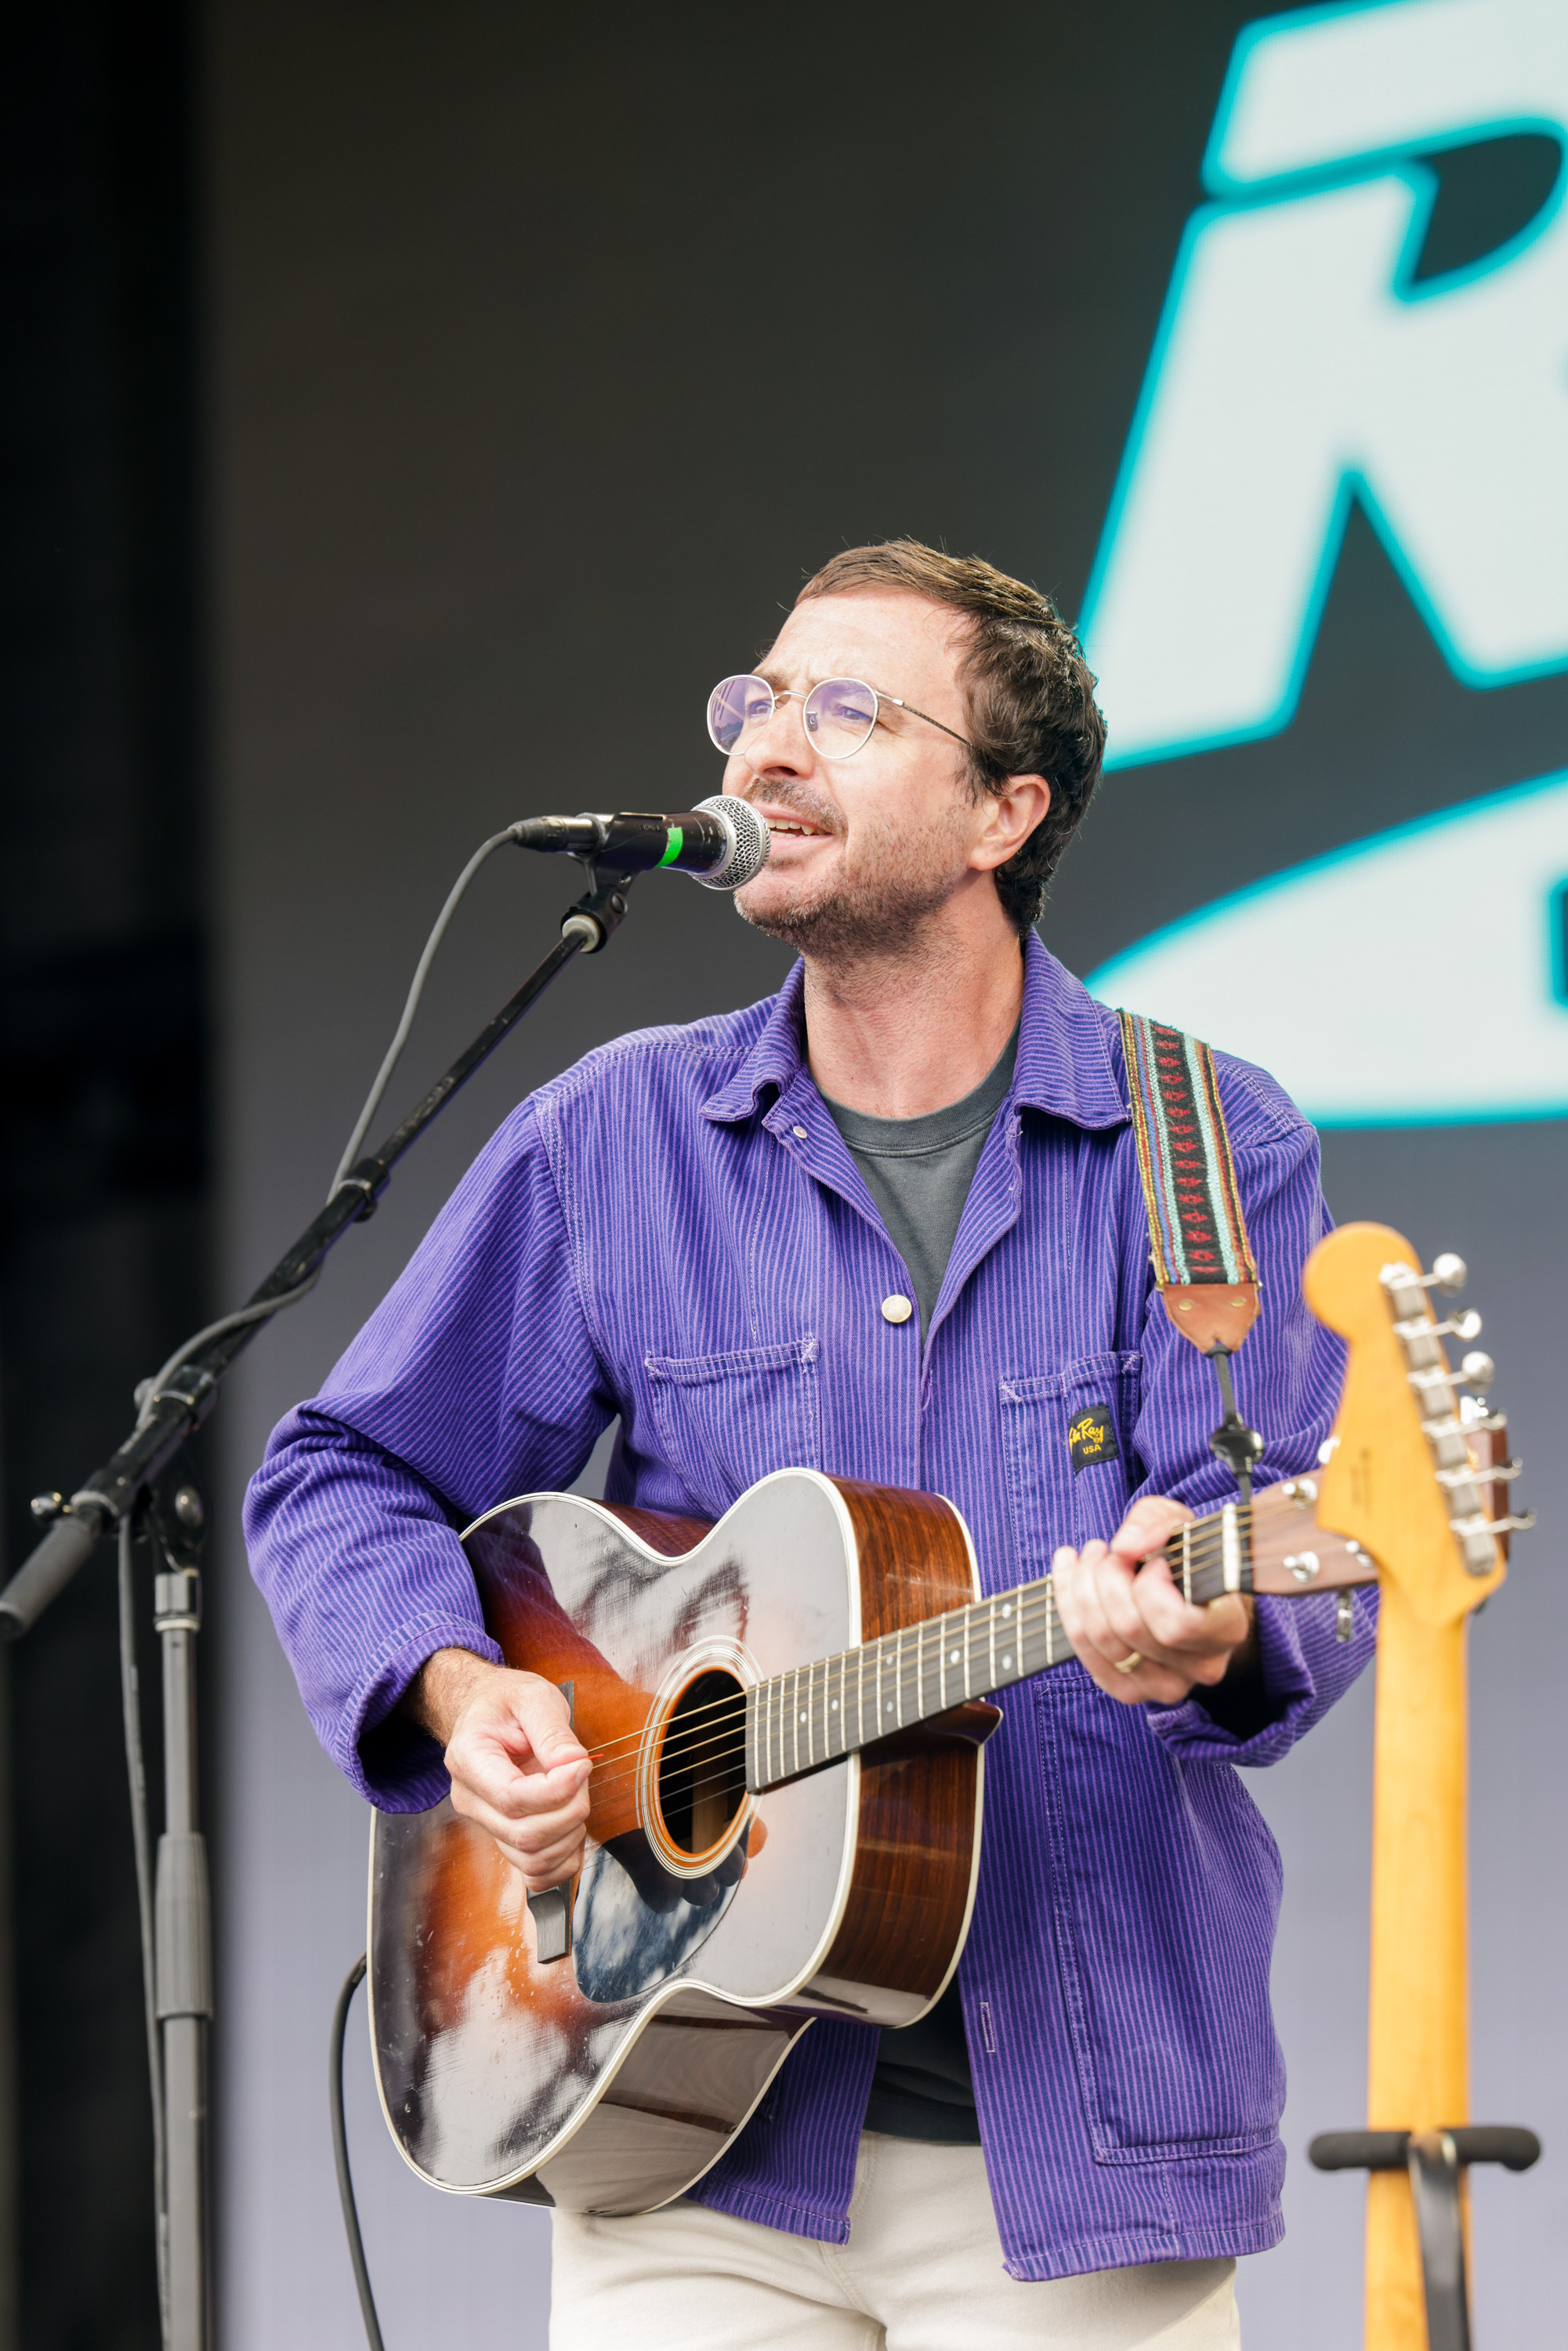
<point>1212,1313</point>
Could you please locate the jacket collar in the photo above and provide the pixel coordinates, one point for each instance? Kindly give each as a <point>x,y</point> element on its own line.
<point>1064,1057</point>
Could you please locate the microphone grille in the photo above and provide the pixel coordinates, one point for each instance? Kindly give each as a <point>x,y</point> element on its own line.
<point>752,843</point>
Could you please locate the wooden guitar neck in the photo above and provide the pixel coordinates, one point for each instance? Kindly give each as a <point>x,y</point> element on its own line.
<point>1415,1476</point>
<point>815,1715</point>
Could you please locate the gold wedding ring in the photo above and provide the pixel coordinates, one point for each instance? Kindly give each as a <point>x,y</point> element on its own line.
<point>1124,1665</point>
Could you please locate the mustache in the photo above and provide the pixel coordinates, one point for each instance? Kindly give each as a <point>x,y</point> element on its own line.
<point>826,813</point>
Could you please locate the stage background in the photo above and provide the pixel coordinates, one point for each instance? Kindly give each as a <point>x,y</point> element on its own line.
<point>104,1129</point>
<point>546,356</point>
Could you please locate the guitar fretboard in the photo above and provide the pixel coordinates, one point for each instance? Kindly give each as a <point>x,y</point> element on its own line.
<point>816,1714</point>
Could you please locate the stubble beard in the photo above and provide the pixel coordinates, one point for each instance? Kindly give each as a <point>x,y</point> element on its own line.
<point>875,911</point>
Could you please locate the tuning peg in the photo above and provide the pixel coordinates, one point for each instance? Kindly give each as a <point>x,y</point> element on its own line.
<point>1478,1370</point>
<point>1449,1272</point>
<point>1467,1325</point>
<point>1489,1473</point>
<point>1519,1522</point>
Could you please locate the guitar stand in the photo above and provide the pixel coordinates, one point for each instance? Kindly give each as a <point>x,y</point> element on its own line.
<point>1435,2159</point>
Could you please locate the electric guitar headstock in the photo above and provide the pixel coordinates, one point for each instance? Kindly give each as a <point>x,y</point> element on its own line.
<point>1414,1473</point>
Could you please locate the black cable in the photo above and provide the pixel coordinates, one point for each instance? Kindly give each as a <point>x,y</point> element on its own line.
<point>416,989</point>
<point>340,2155</point>
<point>356,1973</point>
<point>148,1390</point>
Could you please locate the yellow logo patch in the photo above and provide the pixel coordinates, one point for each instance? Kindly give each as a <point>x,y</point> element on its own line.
<point>1092,1438</point>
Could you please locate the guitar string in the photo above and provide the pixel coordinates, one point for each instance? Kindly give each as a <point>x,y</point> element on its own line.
<point>1035,1611</point>
<point>731,1710</point>
<point>1033,1602</point>
<point>715,1737</point>
<point>1204,1553</point>
<point>1211,1544</point>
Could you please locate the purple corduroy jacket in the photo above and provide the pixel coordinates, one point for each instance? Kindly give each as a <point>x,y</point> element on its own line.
<point>673,1231</point>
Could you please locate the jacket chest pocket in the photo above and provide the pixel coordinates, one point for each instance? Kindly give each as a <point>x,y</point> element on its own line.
<point>1067,1451</point>
<point>724,1421</point>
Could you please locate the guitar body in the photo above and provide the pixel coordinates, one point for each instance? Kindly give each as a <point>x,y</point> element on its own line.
<point>709,1925</point>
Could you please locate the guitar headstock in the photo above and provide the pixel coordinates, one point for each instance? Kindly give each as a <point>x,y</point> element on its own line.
<point>1409,1472</point>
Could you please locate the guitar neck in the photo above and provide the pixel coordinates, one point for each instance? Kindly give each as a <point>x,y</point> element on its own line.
<point>814,1715</point>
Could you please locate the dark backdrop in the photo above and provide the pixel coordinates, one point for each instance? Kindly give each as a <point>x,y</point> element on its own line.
<point>102,1035</point>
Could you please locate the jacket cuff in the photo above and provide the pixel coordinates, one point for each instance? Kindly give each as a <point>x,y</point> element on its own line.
<point>1287,1702</point>
<point>395,1765</point>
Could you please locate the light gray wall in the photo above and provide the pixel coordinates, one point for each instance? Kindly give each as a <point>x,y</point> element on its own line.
<point>504,471</point>
<point>1494,1194</point>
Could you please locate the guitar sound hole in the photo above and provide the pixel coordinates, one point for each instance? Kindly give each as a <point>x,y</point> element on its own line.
<point>701,1763</point>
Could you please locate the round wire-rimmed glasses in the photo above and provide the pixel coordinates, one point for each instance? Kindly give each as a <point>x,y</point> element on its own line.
<point>840,714</point>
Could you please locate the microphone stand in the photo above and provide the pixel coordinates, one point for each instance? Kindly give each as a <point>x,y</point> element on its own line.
<point>141,1484</point>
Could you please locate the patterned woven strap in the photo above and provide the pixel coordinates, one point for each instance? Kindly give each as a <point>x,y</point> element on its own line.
<point>1197,1234</point>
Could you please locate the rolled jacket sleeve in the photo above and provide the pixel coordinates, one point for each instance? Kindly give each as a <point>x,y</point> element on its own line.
<point>475,1379</point>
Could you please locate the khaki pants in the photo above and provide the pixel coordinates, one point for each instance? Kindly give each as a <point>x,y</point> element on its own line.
<point>922,2272</point>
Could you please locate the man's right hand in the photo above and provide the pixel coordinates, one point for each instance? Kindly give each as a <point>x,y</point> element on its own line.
<point>518,1770</point>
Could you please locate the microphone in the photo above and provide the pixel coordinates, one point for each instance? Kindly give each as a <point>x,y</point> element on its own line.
<point>721,842</point>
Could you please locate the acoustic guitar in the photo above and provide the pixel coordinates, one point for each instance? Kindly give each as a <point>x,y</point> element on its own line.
<point>787,1713</point>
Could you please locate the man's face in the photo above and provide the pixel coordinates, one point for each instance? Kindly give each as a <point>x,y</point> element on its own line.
<point>863,848</point>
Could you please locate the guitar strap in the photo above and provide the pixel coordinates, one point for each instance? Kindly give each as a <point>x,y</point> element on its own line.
<point>1198,1234</point>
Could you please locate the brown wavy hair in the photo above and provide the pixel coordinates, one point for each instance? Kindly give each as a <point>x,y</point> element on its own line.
<point>1028,692</point>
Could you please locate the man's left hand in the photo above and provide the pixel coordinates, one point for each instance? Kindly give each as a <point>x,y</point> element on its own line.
<point>1131,1627</point>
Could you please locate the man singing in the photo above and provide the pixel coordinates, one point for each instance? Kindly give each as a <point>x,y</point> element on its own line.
<point>888,1225</point>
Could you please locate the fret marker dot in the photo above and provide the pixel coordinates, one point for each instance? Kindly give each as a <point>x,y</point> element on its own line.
<point>833,1708</point>
<point>1008,1610</point>
<point>889,1705</point>
<point>1006,1660</point>
<point>802,1714</point>
<point>953,1656</point>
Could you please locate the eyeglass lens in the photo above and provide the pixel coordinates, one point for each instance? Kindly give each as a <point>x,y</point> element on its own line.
<point>839,715</point>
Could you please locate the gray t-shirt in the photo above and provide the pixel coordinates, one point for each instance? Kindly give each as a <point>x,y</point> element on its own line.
<point>919,1171</point>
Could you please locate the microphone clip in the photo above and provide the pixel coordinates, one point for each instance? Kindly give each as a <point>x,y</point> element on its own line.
<point>598,915</point>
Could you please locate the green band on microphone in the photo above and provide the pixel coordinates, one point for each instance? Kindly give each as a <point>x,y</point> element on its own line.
<point>677,839</point>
